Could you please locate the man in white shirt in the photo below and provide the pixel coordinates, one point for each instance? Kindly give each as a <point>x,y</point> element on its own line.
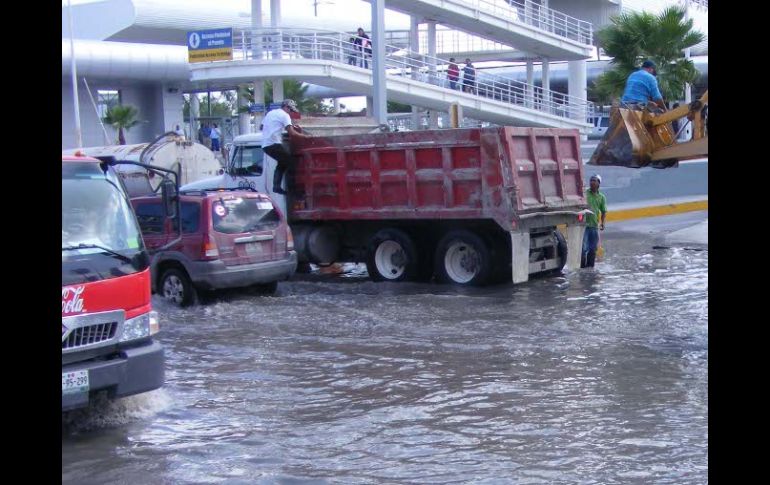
<point>272,131</point>
<point>215,134</point>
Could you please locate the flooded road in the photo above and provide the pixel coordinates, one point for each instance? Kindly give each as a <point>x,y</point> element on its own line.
<point>595,377</point>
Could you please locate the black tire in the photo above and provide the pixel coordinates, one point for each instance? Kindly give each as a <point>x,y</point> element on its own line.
<point>463,258</point>
<point>267,288</point>
<point>397,259</point>
<point>175,287</point>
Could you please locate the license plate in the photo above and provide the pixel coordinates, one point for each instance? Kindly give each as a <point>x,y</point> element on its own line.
<point>74,382</point>
<point>253,249</point>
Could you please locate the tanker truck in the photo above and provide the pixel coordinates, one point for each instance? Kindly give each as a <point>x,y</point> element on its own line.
<point>191,160</point>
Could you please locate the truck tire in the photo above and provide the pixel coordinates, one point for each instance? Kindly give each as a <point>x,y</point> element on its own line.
<point>176,287</point>
<point>267,288</point>
<point>392,256</point>
<point>463,258</point>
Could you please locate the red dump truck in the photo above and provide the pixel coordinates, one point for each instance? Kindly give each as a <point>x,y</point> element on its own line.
<point>468,206</point>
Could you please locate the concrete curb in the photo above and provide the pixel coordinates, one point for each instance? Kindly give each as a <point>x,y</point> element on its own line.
<point>656,210</point>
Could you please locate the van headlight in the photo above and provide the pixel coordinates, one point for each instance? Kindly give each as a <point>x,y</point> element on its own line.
<point>143,326</point>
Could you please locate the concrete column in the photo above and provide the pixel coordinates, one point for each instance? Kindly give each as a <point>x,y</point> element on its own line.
<point>244,119</point>
<point>277,90</point>
<point>380,99</point>
<point>530,91</point>
<point>256,23</point>
<point>433,79</point>
<point>455,115</point>
<point>414,46</point>
<point>414,34</point>
<point>433,119</point>
<point>172,105</point>
<point>416,118</point>
<point>370,107</point>
<point>336,102</point>
<point>259,98</point>
<point>577,84</point>
<point>546,75</point>
<point>275,23</point>
<point>275,13</point>
<point>195,112</point>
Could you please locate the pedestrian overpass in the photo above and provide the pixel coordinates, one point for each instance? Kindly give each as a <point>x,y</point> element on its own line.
<point>524,24</point>
<point>329,59</point>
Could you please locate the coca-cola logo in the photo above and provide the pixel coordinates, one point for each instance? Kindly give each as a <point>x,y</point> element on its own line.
<point>71,299</point>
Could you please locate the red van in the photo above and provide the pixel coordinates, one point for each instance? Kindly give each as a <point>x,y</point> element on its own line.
<point>230,239</point>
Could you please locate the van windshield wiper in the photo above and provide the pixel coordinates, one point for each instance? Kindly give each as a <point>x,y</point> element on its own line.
<point>96,246</point>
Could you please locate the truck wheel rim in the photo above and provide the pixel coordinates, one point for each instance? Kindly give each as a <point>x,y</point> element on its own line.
<point>390,260</point>
<point>462,262</point>
<point>173,289</point>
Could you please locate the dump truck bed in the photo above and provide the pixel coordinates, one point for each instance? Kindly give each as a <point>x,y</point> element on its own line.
<point>478,173</point>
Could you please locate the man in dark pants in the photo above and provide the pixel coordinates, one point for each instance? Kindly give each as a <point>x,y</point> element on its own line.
<point>597,202</point>
<point>272,132</point>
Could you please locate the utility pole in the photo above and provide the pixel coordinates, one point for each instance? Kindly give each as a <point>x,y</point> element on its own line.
<point>378,65</point>
<point>78,132</point>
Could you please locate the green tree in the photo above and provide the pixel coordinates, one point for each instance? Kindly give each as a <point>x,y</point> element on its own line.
<point>394,107</point>
<point>291,90</point>
<point>122,118</point>
<point>220,106</point>
<point>635,37</point>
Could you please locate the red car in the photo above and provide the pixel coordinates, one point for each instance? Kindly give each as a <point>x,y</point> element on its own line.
<point>230,239</point>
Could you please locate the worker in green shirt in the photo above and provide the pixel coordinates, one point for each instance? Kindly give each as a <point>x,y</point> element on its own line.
<point>597,202</point>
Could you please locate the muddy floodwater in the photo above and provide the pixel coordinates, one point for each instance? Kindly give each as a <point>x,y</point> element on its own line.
<point>595,377</point>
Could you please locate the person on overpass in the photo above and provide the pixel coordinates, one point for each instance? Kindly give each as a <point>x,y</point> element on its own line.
<point>597,202</point>
<point>453,73</point>
<point>272,130</point>
<point>642,87</point>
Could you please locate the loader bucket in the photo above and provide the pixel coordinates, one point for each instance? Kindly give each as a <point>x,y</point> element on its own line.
<point>628,143</point>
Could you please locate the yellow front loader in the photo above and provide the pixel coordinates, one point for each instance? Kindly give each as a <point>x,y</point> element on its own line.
<point>641,138</point>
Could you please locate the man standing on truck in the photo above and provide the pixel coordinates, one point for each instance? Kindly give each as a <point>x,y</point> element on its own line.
<point>597,202</point>
<point>272,130</point>
<point>642,87</point>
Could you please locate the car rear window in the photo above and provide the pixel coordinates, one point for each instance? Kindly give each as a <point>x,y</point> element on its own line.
<point>241,214</point>
<point>151,217</point>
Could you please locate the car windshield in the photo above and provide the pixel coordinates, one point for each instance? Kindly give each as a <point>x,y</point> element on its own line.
<point>98,224</point>
<point>243,214</point>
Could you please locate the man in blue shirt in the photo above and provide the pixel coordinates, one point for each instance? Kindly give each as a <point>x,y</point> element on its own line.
<point>642,87</point>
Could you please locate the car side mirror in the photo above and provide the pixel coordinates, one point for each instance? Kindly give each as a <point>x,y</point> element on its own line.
<point>169,194</point>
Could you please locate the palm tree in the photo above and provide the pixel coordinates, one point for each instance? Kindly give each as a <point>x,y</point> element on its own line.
<point>121,118</point>
<point>662,38</point>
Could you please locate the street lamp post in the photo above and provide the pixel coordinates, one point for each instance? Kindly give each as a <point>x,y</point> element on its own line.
<point>78,133</point>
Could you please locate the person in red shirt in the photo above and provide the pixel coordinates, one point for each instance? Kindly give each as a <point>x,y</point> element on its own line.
<point>453,73</point>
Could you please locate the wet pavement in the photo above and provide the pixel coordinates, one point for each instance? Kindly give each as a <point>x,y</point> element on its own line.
<point>594,377</point>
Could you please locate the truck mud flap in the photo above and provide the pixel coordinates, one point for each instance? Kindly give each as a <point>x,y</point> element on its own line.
<point>574,245</point>
<point>520,257</point>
